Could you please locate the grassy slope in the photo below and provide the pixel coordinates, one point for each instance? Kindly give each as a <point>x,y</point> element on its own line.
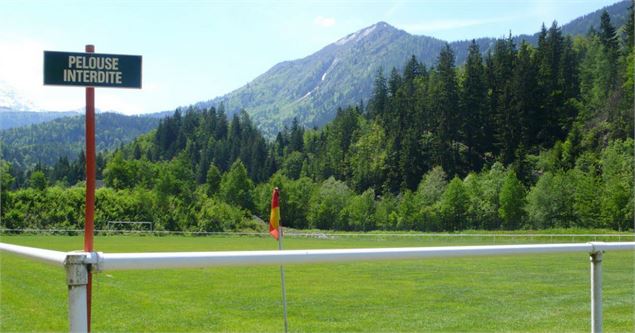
<point>523,293</point>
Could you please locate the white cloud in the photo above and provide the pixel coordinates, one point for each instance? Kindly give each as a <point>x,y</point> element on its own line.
<point>396,6</point>
<point>324,22</point>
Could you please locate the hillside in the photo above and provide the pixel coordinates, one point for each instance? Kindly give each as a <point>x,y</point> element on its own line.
<point>338,75</point>
<point>47,142</point>
<point>341,74</point>
<point>580,26</point>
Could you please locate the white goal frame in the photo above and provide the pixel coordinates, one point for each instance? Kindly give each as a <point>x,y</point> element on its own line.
<point>110,223</point>
<point>78,264</point>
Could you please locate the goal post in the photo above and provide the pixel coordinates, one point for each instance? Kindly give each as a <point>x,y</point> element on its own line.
<point>129,225</point>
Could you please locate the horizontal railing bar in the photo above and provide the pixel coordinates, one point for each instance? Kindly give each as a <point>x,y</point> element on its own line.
<point>157,260</point>
<point>48,256</point>
<point>613,246</point>
<point>129,261</point>
<point>468,235</point>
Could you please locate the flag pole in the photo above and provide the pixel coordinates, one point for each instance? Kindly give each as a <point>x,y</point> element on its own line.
<point>284,291</point>
<point>275,229</point>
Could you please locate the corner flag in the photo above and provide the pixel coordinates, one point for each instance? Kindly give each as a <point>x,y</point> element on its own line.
<point>276,231</point>
<point>274,219</point>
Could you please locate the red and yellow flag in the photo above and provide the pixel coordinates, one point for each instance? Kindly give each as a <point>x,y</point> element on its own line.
<point>274,219</point>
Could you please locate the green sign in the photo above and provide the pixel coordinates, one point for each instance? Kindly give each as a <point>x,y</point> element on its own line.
<point>92,69</point>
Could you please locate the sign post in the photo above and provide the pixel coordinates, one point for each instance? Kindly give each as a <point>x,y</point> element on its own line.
<point>91,70</point>
<point>89,225</point>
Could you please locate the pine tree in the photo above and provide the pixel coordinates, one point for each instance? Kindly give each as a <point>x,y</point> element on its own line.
<point>79,169</point>
<point>608,35</point>
<point>550,86</point>
<point>446,108</point>
<point>61,170</point>
<point>394,82</point>
<point>296,137</point>
<point>221,124</point>
<point>492,105</point>
<point>525,89</point>
<point>629,27</point>
<point>203,166</point>
<point>380,96</point>
<point>258,172</point>
<point>137,151</point>
<point>474,107</point>
<point>410,119</point>
<point>412,70</point>
<point>507,128</point>
<point>233,139</point>
<point>212,180</point>
<point>610,43</point>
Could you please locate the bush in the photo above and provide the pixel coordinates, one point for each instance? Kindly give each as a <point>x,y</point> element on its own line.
<point>326,210</point>
<point>550,202</point>
<point>617,175</point>
<point>215,216</point>
<point>360,211</point>
<point>454,205</point>
<point>511,202</point>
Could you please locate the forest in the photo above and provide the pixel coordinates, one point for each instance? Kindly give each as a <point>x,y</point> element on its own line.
<point>45,143</point>
<point>524,137</point>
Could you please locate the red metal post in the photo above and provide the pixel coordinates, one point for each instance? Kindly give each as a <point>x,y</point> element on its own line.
<point>89,226</point>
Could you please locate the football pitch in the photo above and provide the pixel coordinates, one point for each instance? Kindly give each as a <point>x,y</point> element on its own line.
<point>525,293</point>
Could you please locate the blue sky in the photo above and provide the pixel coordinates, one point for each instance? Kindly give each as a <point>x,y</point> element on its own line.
<point>197,50</point>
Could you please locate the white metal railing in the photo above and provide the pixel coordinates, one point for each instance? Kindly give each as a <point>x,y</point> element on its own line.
<point>48,256</point>
<point>78,264</point>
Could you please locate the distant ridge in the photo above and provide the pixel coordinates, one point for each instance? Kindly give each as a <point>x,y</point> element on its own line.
<point>10,118</point>
<point>64,137</point>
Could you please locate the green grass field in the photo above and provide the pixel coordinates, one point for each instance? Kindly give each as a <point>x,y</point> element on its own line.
<point>545,293</point>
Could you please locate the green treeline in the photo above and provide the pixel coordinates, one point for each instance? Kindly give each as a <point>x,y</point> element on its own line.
<point>521,138</point>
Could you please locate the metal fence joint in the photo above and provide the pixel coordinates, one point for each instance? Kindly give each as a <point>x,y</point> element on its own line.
<point>596,291</point>
<point>77,279</point>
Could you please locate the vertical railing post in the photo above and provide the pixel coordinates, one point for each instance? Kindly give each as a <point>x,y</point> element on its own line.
<point>77,279</point>
<point>596,292</point>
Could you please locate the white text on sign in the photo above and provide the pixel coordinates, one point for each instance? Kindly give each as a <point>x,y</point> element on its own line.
<point>88,70</point>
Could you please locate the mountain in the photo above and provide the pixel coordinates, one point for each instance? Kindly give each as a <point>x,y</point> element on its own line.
<point>159,115</point>
<point>342,73</point>
<point>47,142</point>
<point>11,118</point>
<point>580,26</point>
<point>16,110</point>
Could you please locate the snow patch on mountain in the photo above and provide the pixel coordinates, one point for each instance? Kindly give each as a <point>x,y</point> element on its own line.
<point>330,68</point>
<point>12,99</point>
<point>357,36</point>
